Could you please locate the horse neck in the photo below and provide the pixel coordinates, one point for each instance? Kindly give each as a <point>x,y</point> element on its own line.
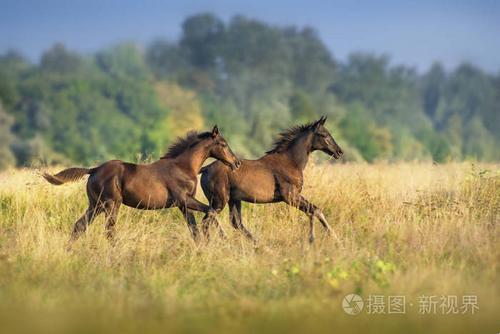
<point>298,152</point>
<point>194,157</point>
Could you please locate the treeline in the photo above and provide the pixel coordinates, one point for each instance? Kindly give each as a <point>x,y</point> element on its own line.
<point>252,79</point>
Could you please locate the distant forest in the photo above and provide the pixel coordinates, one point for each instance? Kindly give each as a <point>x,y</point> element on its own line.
<point>251,78</point>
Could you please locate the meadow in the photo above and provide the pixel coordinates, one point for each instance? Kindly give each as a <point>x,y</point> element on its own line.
<point>405,229</point>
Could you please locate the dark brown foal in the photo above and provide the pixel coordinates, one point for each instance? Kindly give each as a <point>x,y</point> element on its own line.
<point>168,182</point>
<point>275,177</point>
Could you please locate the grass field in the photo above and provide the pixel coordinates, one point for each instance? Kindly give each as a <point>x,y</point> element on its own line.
<point>412,230</point>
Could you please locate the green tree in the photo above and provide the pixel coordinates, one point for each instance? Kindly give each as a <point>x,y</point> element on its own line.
<point>12,67</point>
<point>301,107</point>
<point>313,67</point>
<point>371,141</point>
<point>253,79</point>
<point>7,159</point>
<point>166,60</point>
<point>201,40</point>
<point>433,85</point>
<point>59,60</point>
<point>123,61</point>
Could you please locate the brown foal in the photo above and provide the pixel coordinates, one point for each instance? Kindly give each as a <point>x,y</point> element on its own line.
<point>275,177</point>
<point>168,182</point>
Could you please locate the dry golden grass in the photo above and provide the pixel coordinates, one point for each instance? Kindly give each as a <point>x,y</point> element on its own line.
<point>404,229</point>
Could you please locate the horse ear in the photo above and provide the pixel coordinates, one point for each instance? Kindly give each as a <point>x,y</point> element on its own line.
<point>215,131</point>
<point>319,122</point>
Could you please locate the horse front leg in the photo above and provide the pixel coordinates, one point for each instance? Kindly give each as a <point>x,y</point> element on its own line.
<point>236,221</point>
<point>311,229</point>
<point>191,221</point>
<point>312,211</point>
<point>210,216</point>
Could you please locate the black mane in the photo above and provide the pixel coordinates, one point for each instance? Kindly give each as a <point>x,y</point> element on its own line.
<point>287,137</point>
<point>183,143</point>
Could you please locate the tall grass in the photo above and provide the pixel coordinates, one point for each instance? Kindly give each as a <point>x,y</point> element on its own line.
<point>404,229</point>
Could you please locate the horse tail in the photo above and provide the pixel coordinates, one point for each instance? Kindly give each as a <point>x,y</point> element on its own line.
<point>68,175</point>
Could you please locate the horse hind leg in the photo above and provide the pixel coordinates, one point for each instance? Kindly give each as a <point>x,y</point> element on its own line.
<point>111,211</point>
<point>93,210</point>
<point>84,221</point>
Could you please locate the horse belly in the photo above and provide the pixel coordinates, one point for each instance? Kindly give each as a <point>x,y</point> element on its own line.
<point>258,187</point>
<point>146,194</point>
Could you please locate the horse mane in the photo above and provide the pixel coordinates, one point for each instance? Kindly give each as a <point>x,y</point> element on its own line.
<point>183,143</point>
<point>287,137</point>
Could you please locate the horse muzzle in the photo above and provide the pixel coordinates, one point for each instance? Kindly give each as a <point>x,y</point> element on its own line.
<point>335,152</point>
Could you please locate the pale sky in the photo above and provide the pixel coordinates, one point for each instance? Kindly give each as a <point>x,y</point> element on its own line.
<point>414,33</point>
